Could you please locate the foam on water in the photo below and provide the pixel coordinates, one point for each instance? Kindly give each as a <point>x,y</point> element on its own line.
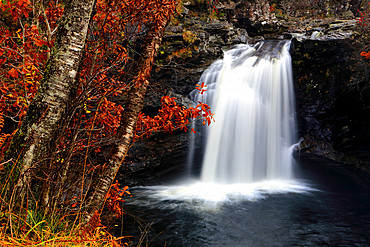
<point>210,197</point>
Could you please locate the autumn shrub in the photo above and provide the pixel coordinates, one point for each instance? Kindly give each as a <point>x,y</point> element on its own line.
<point>4,140</point>
<point>97,101</point>
<point>189,37</point>
<point>363,22</point>
<point>212,6</point>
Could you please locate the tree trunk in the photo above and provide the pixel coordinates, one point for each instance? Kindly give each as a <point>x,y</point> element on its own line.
<point>126,130</point>
<point>31,143</point>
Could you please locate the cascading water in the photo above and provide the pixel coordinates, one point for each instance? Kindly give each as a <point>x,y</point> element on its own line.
<point>251,93</point>
<point>248,150</point>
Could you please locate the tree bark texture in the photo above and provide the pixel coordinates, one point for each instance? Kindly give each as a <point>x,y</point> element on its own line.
<point>126,129</point>
<point>30,144</point>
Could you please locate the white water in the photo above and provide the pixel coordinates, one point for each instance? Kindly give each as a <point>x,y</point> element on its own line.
<point>211,197</point>
<point>251,93</point>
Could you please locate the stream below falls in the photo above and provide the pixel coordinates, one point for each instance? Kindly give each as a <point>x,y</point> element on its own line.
<point>325,205</point>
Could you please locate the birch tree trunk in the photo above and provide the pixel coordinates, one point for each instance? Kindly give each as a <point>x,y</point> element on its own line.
<point>31,142</point>
<point>134,105</point>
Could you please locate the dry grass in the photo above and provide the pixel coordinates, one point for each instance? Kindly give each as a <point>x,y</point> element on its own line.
<point>14,231</point>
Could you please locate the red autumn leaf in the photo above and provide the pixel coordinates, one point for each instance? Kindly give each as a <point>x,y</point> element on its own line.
<point>13,73</point>
<point>39,43</point>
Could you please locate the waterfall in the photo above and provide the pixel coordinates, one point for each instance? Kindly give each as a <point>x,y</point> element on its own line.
<point>251,93</point>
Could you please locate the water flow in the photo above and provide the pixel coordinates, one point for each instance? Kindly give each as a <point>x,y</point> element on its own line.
<point>190,159</point>
<point>251,93</point>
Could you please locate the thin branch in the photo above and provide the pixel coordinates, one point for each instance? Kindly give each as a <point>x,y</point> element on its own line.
<point>49,32</point>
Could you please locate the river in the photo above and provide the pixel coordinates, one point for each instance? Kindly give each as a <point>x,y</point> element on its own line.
<point>329,206</point>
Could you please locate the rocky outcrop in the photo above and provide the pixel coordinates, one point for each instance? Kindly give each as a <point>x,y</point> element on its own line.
<point>187,50</point>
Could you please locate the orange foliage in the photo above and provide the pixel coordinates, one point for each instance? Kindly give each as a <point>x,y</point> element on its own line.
<point>17,9</point>
<point>366,55</point>
<point>94,113</point>
<point>103,75</point>
<point>171,116</point>
<point>114,198</point>
<point>3,139</point>
<point>23,54</point>
<point>94,223</point>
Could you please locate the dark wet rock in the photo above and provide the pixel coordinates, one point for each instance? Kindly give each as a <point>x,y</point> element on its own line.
<point>333,99</point>
<point>182,100</point>
<point>162,159</point>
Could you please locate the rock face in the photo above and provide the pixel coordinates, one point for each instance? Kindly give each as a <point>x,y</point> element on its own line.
<point>332,99</point>
<point>331,79</point>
